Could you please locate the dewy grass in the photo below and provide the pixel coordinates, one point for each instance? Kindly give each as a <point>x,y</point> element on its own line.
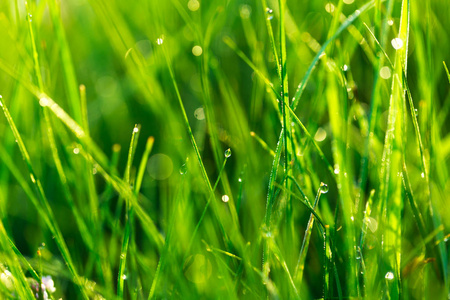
<point>349,96</point>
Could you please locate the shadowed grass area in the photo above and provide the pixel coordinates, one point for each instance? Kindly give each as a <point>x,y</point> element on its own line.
<point>224,149</point>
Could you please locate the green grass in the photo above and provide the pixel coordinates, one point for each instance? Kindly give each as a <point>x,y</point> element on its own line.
<point>275,149</point>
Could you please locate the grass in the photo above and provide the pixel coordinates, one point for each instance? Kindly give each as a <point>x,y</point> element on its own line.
<point>275,149</point>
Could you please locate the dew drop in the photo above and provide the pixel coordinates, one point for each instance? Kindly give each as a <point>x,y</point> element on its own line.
<point>228,153</point>
<point>345,68</point>
<point>136,129</point>
<point>422,175</point>
<point>397,43</point>
<point>76,150</point>
<point>390,22</point>
<point>320,135</point>
<point>389,276</point>
<point>269,13</point>
<point>160,40</point>
<point>225,198</point>
<point>323,188</point>
<point>124,277</point>
<point>183,169</point>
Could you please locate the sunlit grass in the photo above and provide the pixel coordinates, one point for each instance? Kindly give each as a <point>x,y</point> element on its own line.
<point>275,149</point>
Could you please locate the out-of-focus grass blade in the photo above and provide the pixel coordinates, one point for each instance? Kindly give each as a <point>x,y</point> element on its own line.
<point>393,155</point>
<point>298,273</point>
<point>268,17</point>
<point>242,55</point>
<point>194,144</point>
<point>301,87</point>
<point>262,143</point>
<point>279,256</point>
<point>47,212</point>
<point>16,278</point>
<point>269,203</point>
<point>446,71</point>
<point>66,61</point>
<point>128,213</point>
<point>319,151</point>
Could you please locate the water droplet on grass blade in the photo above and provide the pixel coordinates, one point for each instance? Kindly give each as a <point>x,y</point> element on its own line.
<point>397,43</point>
<point>389,276</point>
<point>183,169</point>
<point>228,153</point>
<point>160,40</point>
<point>320,135</point>
<point>225,198</point>
<point>269,13</point>
<point>323,188</point>
<point>76,150</point>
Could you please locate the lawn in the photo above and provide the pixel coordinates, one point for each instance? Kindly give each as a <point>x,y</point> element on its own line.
<point>194,149</point>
